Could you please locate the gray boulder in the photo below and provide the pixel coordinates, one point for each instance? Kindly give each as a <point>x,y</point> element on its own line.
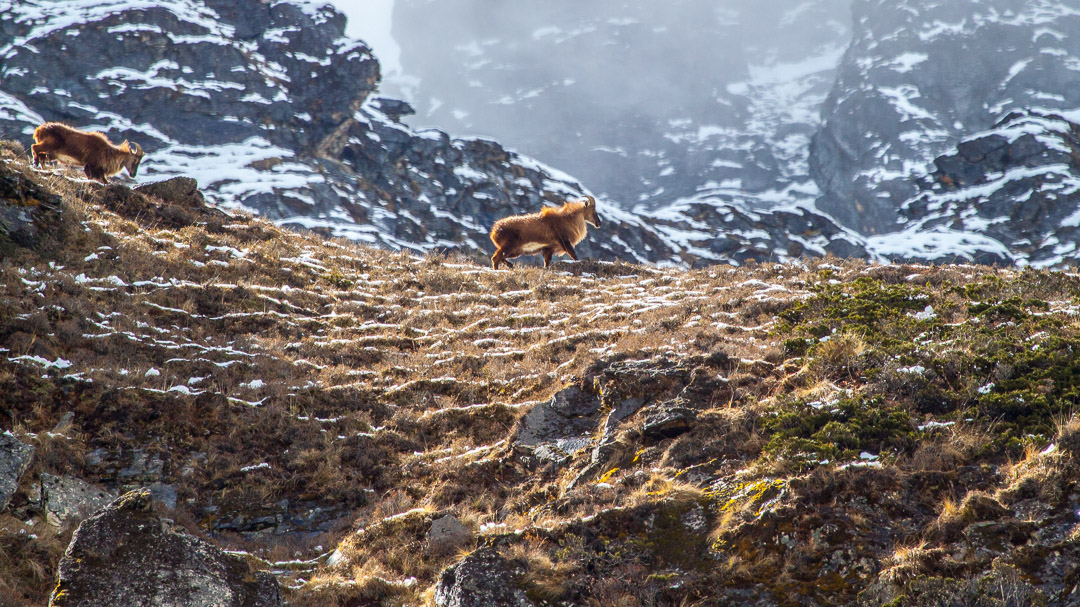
<point>668,421</point>
<point>15,458</point>
<point>126,556</point>
<point>145,467</point>
<point>178,190</point>
<point>553,431</point>
<point>446,534</point>
<point>68,499</point>
<point>481,579</point>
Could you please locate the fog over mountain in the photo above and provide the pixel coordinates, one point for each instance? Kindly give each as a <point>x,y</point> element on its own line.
<point>647,103</point>
<point>841,111</point>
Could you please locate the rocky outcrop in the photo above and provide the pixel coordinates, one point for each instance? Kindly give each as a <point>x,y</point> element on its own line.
<point>553,431</point>
<point>15,458</point>
<point>172,203</point>
<point>126,555</point>
<point>1013,189</point>
<point>663,393</point>
<point>481,579</point>
<point>66,499</point>
<point>921,75</point>
<point>29,214</point>
<point>708,229</point>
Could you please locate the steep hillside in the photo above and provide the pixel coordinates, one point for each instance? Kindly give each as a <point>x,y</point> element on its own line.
<point>376,428</point>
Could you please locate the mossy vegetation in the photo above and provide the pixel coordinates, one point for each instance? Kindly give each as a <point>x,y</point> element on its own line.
<point>838,431</point>
<point>989,353</point>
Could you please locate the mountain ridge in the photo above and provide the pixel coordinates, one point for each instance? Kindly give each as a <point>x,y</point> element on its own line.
<point>264,131</point>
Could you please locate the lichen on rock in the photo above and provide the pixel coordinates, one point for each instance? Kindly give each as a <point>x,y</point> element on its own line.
<point>126,556</point>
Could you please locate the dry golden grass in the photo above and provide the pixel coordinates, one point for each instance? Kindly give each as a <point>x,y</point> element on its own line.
<point>547,579</point>
<point>906,562</point>
<point>385,387</point>
<point>29,554</point>
<point>660,488</point>
<point>840,357</point>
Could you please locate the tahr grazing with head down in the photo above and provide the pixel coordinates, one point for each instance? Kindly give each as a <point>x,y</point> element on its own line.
<point>99,157</point>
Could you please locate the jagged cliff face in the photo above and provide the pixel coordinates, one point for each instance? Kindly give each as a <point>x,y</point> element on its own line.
<point>1008,195</point>
<point>272,108</point>
<point>919,77</point>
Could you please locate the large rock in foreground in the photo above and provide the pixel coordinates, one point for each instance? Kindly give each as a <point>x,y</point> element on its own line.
<point>126,555</point>
<point>481,579</point>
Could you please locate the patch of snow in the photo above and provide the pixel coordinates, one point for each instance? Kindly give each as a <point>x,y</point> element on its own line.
<point>927,314</point>
<point>59,363</point>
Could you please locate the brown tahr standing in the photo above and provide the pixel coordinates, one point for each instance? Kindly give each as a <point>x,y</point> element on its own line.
<point>552,231</point>
<point>98,156</point>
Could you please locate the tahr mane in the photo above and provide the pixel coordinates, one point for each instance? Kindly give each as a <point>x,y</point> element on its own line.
<point>99,157</point>
<point>552,231</point>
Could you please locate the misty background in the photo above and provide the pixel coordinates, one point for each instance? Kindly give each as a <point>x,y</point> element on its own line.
<point>907,129</point>
<point>647,103</point>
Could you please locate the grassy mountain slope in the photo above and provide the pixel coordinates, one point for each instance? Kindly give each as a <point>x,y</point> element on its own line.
<point>806,434</point>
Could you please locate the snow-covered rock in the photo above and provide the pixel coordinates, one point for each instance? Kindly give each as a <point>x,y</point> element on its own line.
<point>1013,188</point>
<point>922,75</point>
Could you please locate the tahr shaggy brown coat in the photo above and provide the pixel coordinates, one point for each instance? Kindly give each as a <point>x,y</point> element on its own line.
<point>552,231</point>
<point>99,157</point>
